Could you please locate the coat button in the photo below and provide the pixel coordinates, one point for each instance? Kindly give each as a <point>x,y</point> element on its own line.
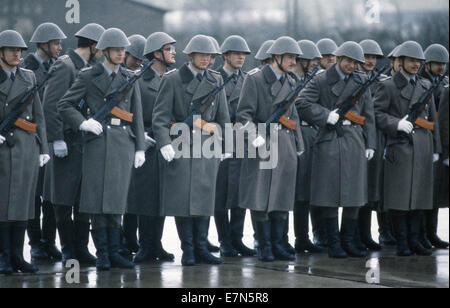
<point>12,134</point>
<point>124,127</point>
<point>109,127</point>
<point>6,105</point>
<point>28,117</point>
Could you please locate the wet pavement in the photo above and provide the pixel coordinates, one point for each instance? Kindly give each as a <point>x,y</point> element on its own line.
<point>309,271</point>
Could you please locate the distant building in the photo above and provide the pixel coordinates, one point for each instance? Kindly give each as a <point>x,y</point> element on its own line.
<point>132,16</point>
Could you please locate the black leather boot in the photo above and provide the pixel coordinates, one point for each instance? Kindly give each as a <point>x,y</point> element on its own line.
<point>386,237</point>
<point>5,250</point>
<point>100,237</point>
<point>113,246</point>
<point>335,250</point>
<point>348,238</point>
<point>66,237</point>
<point>49,231</point>
<point>319,226</point>
<point>130,232</point>
<point>158,228</point>
<point>18,264</point>
<point>224,234</point>
<point>146,236</point>
<point>202,253</point>
<point>432,227</point>
<point>185,229</point>
<point>400,224</point>
<point>237,220</point>
<point>301,229</point>
<point>414,223</point>
<point>423,236</point>
<point>365,230</point>
<point>264,250</point>
<point>277,232</point>
<point>82,231</point>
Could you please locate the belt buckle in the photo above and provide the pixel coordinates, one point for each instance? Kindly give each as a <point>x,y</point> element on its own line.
<point>115,122</point>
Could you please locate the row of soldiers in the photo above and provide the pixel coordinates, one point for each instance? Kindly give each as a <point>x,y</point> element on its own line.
<point>89,179</point>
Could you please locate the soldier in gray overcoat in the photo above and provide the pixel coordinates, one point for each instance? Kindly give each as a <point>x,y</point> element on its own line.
<point>189,184</point>
<point>134,57</point>
<point>410,149</point>
<point>62,180</point>
<point>230,229</point>
<point>305,65</point>
<point>339,167</point>
<point>436,60</point>
<point>270,193</point>
<point>20,155</point>
<point>144,195</point>
<point>48,38</point>
<point>110,148</point>
<point>372,53</point>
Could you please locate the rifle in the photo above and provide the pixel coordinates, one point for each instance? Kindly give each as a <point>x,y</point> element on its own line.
<point>279,114</point>
<point>113,100</point>
<point>200,107</point>
<point>419,107</point>
<point>13,119</point>
<point>344,110</point>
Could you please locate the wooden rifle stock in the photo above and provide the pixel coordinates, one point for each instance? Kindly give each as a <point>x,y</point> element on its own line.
<point>421,122</point>
<point>355,118</point>
<point>122,114</point>
<point>288,123</point>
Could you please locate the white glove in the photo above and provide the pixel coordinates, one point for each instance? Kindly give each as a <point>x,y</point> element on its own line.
<point>43,160</point>
<point>2,139</point>
<point>92,126</point>
<point>333,117</point>
<point>139,159</point>
<point>300,153</point>
<point>405,126</point>
<point>225,156</point>
<point>445,162</point>
<point>168,152</point>
<point>435,157</point>
<point>258,142</point>
<point>149,142</point>
<point>60,149</point>
<point>369,154</point>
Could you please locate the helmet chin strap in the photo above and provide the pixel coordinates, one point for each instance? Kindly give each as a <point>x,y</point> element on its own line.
<point>108,57</point>
<point>404,68</point>
<point>280,65</point>
<point>3,58</point>
<point>163,61</point>
<point>91,55</point>
<point>47,52</point>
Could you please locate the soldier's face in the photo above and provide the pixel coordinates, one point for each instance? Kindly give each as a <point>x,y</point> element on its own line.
<point>371,62</point>
<point>327,61</point>
<point>347,65</point>
<point>287,62</point>
<point>11,55</point>
<point>436,68</point>
<point>133,63</point>
<point>397,64</point>
<point>169,53</point>
<point>117,55</point>
<point>411,65</point>
<point>98,53</point>
<point>201,60</point>
<point>235,59</point>
<point>55,48</point>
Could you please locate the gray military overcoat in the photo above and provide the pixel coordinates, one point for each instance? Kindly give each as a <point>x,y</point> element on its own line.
<point>107,159</point>
<point>19,164</point>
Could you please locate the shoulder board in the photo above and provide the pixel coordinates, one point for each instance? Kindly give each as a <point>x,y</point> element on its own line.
<point>446,86</point>
<point>170,72</point>
<point>214,72</point>
<point>321,71</point>
<point>253,71</point>
<point>385,77</point>
<point>26,70</point>
<point>84,69</point>
<point>65,57</point>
